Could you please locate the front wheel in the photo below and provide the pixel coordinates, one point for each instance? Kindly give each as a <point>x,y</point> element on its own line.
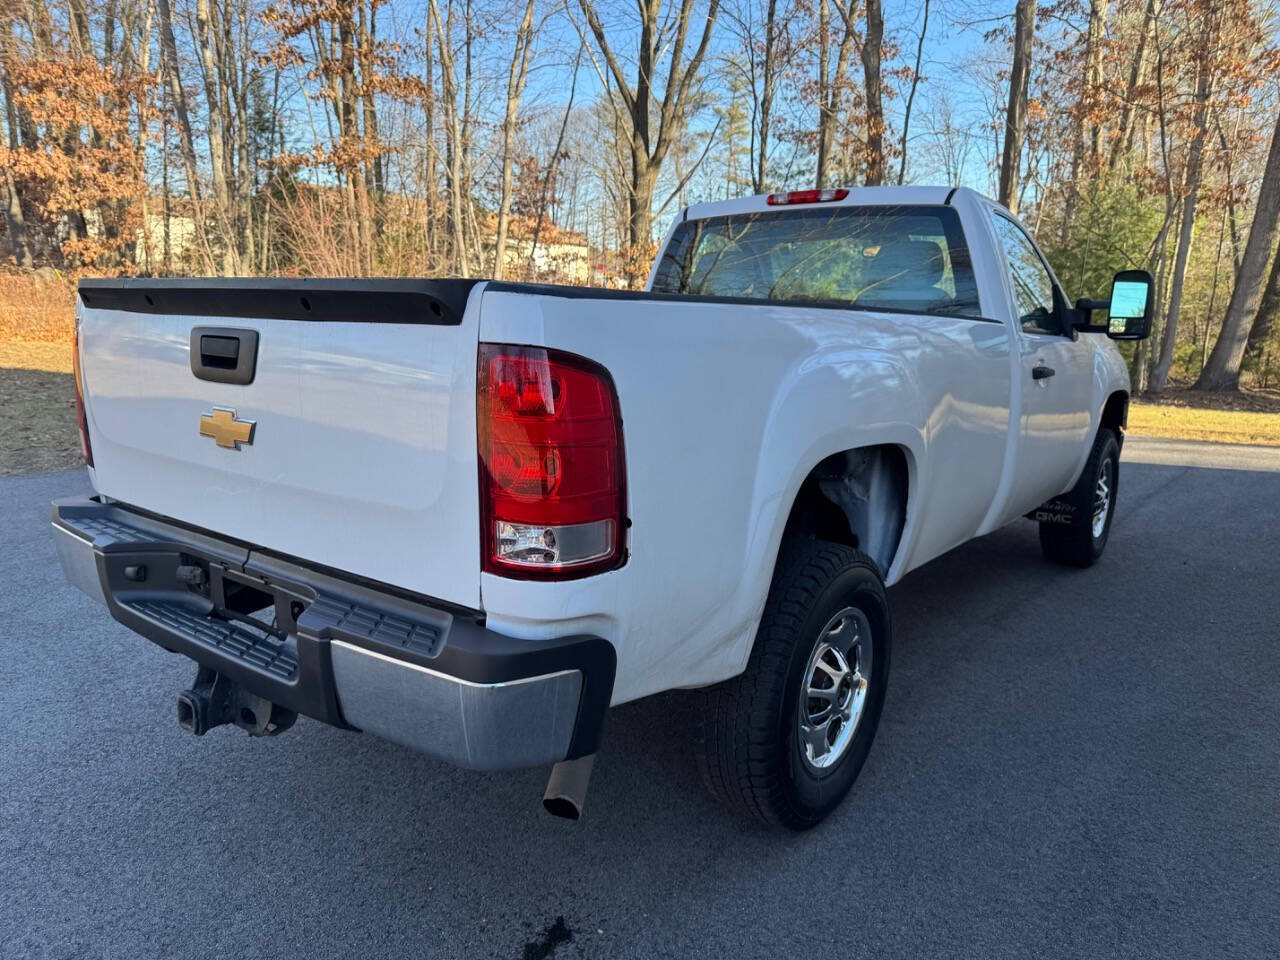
<point>784,741</point>
<point>1077,534</point>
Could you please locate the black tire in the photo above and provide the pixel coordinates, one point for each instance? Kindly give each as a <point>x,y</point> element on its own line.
<point>749,747</point>
<point>1068,536</point>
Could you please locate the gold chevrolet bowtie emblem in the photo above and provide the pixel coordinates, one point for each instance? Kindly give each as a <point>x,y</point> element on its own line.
<point>226,430</point>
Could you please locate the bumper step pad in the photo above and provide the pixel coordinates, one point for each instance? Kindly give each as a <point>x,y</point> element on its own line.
<point>333,617</point>
<point>259,649</point>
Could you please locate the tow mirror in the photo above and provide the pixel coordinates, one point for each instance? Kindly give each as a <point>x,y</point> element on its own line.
<point>1129,314</point>
<point>1128,310</point>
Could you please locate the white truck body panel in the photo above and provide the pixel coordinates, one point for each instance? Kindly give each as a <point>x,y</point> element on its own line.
<point>365,452</point>
<point>366,460</point>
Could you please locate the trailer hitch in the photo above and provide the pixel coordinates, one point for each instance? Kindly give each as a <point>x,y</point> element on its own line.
<point>215,699</point>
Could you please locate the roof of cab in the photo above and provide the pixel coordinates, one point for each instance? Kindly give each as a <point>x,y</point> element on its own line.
<point>858,196</point>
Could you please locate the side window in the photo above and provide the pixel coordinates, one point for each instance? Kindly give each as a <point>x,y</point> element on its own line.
<point>1030,279</point>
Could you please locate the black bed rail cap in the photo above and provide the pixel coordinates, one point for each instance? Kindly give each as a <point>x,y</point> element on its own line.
<point>345,300</point>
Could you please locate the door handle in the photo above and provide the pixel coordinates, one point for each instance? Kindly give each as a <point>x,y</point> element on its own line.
<point>1042,372</point>
<point>224,354</point>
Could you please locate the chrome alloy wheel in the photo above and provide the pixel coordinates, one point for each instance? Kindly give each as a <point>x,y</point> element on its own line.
<point>1102,496</point>
<point>836,682</point>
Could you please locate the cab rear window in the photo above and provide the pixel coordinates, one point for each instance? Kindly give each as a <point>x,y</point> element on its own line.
<point>897,258</point>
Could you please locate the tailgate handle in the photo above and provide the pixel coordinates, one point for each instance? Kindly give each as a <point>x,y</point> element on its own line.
<point>224,354</point>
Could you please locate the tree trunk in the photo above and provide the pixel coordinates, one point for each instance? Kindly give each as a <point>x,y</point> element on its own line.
<point>871,45</point>
<point>245,179</point>
<point>429,123</point>
<point>14,220</point>
<point>1137,69</point>
<point>911,97</point>
<point>831,81</point>
<point>15,223</point>
<point>453,141</point>
<point>760,179</point>
<point>1016,114</point>
<point>1264,321</point>
<point>144,66</point>
<point>1222,372</point>
<point>1195,159</point>
<point>544,194</point>
<point>368,35</point>
<point>169,54</point>
<point>649,148</point>
<point>217,144</point>
<point>824,87</point>
<point>515,87</point>
<point>1093,59</point>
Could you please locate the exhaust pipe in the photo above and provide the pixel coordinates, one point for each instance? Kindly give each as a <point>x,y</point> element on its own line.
<point>567,787</point>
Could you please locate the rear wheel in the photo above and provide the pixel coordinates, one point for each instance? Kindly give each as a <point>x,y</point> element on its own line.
<point>785,740</point>
<point>1077,534</point>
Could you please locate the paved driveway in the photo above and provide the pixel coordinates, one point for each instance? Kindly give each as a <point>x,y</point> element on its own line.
<point>1070,764</point>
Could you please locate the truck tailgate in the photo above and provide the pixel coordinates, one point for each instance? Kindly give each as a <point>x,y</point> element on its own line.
<point>362,455</point>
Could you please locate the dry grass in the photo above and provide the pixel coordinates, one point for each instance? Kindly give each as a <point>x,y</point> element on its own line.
<point>1213,419</point>
<point>37,318</point>
<point>36,309</point>
<point>30,355</point>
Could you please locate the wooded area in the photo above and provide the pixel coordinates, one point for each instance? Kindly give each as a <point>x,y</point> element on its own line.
<point>555,139</point>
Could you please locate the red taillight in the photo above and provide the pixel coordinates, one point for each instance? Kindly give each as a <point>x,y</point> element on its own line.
<point>806,196</point>
<point>553,499</point>
<point>81,419</point>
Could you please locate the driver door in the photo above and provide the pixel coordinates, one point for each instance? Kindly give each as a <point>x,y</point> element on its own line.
<point>1056,375</point>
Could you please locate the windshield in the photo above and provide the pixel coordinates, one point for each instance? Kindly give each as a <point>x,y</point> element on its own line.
<point>911,259</point>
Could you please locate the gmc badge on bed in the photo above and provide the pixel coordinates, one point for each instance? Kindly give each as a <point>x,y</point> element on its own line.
<point>226,429</point>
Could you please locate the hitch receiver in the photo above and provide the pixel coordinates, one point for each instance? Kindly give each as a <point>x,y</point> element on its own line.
<point>215,699</point>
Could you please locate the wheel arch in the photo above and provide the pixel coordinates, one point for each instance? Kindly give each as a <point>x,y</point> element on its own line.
<point>1115,414</point>
<point>858,497</point>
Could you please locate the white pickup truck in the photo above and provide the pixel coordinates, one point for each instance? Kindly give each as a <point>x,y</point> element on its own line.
<point>470,516</point>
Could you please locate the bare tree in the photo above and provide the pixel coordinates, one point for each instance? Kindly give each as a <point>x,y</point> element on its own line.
<point>1191,195</point>
<point>178,98</point>
<point>761,179</point>
<point>454,141</point>
<point>1015,127</point>
<point>1123,142</point>
<point>1084,107</point>
<point>544,192</point>
<point>515,88</point>
<point>20,239</point>
<point>911,97</point>
<point>1222,372</point>
<point>648,147</point>
<point>872,44</point>
<point>765,61</point>
<point>950,142</point>
<point>1264,321</point>
<point>831,78</point>
<point>214,57</point>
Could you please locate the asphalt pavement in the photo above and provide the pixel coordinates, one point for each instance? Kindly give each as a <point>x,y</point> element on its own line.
<point>1070,764</point>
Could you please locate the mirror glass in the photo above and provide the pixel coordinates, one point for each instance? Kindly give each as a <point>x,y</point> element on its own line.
<point>1128,302</point>
<point>1129,316</point>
